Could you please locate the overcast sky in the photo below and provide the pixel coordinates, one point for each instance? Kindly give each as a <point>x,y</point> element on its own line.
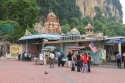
<point>123,9</point>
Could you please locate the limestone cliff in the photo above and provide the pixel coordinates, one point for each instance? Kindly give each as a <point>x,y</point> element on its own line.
<point>110,8</point>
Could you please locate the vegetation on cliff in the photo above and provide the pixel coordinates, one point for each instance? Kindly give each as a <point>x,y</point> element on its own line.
<point>18,15</point>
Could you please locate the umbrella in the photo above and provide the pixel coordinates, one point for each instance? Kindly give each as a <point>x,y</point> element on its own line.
<point>44,49</point>
<point>50,47</point>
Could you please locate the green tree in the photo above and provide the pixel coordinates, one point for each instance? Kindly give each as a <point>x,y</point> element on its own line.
<point>65,28</point>
<point>74,22</point>
<point>86,20</point>
<point>81,29</point>
<point>32,31</point>
<point>63,22</point>
<point>11,29</point>
<point>98,27</point>
<point>24,12</point>
<point>1,2</point>
<point>98,10</point>
<point>115,29</point>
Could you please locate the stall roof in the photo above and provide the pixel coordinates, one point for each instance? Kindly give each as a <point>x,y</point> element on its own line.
<point>76,47</point>
<point>41,36</point>
<point>119,37</point>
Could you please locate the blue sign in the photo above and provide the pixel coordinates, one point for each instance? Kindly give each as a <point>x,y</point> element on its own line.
<point>115,41</point>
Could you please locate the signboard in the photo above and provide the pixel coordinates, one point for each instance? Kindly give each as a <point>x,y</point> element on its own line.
<point>115,41</point>
<point>14,51</point>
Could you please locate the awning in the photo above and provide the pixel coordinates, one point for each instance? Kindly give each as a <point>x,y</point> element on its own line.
<point>76,47</point>
<point>50,47</point>
<point>115,40</point>
<point>41,36</point>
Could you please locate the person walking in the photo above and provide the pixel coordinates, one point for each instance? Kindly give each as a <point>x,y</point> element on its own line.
<point>81,59</point>
<point>78,62</point>
<point>23,57</point>
<point>85,62</point>
<point>118,59</point>
<point>29,56</point>
<point>58,54</point>
<point>41,56</point>
<point>19,55</point>
<point>52,57</point>
<point>69,59</point>
<point>73,62</point>
<point>26,56</point>
<point>124,59</point>
<point>62,62</point>
<point>89,62</point>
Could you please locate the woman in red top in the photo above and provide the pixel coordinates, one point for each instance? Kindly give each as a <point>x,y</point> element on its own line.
<point>85,62</point>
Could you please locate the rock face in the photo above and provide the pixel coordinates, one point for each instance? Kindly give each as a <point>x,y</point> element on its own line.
<point>109,8</point>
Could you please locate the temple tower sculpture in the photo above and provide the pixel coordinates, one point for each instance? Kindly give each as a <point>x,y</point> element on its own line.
<point>89,30</point>
<point>51,24</point>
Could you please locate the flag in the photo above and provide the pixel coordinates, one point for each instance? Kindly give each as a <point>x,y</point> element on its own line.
<point>93,48</point>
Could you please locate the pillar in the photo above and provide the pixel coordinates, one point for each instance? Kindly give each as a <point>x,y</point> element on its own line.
<point>44,54</point>
<point>61,45</point>
<point>42,44</point>
<point>119,48</point>
<point>27,46</point>
<point>21,50</point>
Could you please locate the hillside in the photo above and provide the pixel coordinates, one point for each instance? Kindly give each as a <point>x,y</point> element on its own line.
<point>18,15</point>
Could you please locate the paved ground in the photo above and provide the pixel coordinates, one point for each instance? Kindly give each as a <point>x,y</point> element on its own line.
<point>12,71</point>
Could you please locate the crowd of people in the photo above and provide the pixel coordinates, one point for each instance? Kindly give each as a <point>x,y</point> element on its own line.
<point>80,61</point>
<point>27,56</point>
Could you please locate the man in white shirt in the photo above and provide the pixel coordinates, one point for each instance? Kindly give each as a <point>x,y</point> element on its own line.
<point>26,55</point>
<point>41,56</point>
<point>52,57</point>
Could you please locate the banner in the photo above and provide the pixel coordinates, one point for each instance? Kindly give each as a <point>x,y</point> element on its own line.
<point>103,54</point>
<point>14,51</point>
<point>116,41</point>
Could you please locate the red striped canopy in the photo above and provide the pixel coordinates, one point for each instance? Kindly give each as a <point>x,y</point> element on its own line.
<point>73,49</point>
<point>76,47</point>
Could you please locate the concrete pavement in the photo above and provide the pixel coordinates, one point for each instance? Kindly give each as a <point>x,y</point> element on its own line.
<point>12,71</point>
